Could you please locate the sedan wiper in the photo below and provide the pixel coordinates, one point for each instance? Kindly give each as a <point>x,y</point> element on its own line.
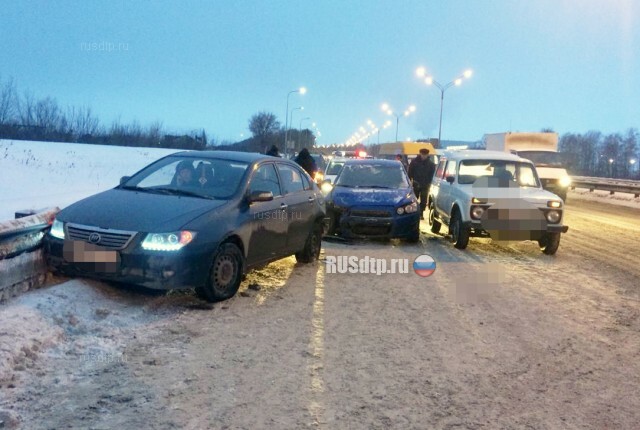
<point>179,192</point>
<point>133,188</point>
<point>378,186</point>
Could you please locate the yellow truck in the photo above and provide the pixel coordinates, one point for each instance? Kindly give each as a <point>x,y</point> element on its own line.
<point>408,150</point>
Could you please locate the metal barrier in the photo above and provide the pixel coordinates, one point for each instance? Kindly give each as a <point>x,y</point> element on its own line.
<point>607,184</point>
<point>22,263</point>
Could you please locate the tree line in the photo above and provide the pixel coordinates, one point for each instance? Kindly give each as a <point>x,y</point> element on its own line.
<point>25,117</point>
<point>595,154</point>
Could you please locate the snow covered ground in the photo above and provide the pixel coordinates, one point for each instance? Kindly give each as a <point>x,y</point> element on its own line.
<point>621,199</point>
<point>37,175</point>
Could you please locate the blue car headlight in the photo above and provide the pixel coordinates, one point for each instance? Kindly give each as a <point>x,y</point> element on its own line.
<point>173,241</point>
<point>407,209</point>
<point>57,229</point>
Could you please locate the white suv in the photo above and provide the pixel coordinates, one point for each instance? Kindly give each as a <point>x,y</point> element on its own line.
<point>493,194</point>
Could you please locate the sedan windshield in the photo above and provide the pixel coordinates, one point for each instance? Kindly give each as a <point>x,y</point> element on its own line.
<point>497,173</point>
<point>190,176</point>
<point>373,176</point>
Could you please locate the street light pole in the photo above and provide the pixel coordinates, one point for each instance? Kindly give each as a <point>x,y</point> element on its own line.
<point>302,91</point>
<point>389,111</point>
<point>421,72</point>
<point>300,129</point>
<point>291,115</point>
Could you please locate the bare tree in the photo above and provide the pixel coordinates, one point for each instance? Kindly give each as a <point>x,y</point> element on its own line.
<point>263,124</point>
<point>8,102</point>
<point>83,125</point>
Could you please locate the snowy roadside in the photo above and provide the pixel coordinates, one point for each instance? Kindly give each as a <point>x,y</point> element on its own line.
<point>620,199</point>
<point>48,174</point>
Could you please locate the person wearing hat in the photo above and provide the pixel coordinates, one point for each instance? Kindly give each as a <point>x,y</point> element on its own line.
<point>421,170</point>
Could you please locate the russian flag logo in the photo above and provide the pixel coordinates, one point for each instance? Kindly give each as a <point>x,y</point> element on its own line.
<point>424,265</point>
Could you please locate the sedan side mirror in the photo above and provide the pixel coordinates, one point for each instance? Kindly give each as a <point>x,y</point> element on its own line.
<point>451,179</point>
<point>260,196</point>
<point>124,179</point>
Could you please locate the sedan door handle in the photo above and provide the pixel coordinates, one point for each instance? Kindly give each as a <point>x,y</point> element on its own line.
<point>312,199</point>
<point>283,206</point>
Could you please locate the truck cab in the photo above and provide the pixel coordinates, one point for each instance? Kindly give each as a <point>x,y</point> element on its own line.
<point>542,149</point>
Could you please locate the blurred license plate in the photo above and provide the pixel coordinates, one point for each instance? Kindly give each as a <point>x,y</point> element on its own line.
<point>90,257</point>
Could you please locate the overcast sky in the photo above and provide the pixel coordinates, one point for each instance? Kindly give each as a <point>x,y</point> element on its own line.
<point>569,65</point>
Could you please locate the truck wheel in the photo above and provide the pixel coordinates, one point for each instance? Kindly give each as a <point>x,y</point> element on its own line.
<point>459,233</point>
<point>549,243</point>
<point>433,222</point>
<point>225,274</point>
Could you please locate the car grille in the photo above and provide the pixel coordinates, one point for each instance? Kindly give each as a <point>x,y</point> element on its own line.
<point>371,230</point>
<point>371,213</point>
<point>112,239</point>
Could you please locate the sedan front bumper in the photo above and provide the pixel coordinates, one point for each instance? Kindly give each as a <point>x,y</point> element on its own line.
<point>186,268</point>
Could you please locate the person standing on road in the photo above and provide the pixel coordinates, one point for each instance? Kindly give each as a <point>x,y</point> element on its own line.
<point>306,161</point>
<point>273,151</point>
<point>421,170</point>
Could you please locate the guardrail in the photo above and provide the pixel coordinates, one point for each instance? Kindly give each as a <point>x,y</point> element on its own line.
<point>606,184</point>
<point>22,263</point>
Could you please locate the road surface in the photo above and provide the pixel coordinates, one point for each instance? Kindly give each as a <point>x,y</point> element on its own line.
<point>499,337</point>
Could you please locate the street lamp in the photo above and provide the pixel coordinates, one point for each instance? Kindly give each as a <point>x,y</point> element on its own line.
<point>300,126</point>
<point>302,91</point>
<point>300,108</point>
<point>421,72</point>
<point>386,109</point>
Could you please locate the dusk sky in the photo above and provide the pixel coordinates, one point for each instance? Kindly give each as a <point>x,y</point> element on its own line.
<point>568,65</point>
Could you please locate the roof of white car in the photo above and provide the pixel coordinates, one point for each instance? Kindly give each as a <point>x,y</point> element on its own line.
<point>481,154</point>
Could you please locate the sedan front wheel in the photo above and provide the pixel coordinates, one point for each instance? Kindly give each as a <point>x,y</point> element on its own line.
<point>225,274</point>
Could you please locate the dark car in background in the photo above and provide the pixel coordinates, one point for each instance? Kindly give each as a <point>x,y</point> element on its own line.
<point>373,199</point>
<point>192,220</point>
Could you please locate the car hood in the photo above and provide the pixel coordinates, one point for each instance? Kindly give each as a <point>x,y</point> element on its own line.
<point>535,196</point>
<point>137,211</point>
<point>342,196</point>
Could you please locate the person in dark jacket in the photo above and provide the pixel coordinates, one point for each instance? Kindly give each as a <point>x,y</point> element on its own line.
<point>306,161</point>
<point>273,151</point>
<point>421,170</point>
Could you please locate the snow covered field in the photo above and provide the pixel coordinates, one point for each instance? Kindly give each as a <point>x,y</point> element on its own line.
<point>37,175</point>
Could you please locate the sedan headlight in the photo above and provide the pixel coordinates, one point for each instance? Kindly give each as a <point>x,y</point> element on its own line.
<point>553,216</point>
<point>57,229</point>
<point>408,209</point>
<point>565,181</point>
<point>326,187</point>
<point>167,241</point>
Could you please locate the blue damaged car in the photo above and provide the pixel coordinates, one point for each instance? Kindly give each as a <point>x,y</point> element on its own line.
<point>372,199</point>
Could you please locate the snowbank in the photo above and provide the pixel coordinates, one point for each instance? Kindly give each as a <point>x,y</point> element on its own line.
<point>47,174</point>
<point>621,199</point>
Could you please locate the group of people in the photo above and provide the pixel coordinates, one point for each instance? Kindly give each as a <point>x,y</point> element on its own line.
<point>304,159</point>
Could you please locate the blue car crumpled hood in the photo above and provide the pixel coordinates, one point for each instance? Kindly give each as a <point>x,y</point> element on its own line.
<point>346,197</point>
<point>137,211</point>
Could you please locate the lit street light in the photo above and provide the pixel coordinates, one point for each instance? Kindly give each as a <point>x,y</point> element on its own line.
<point>421,72</point>
<point>302,91</point>
<point>386,109</point>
